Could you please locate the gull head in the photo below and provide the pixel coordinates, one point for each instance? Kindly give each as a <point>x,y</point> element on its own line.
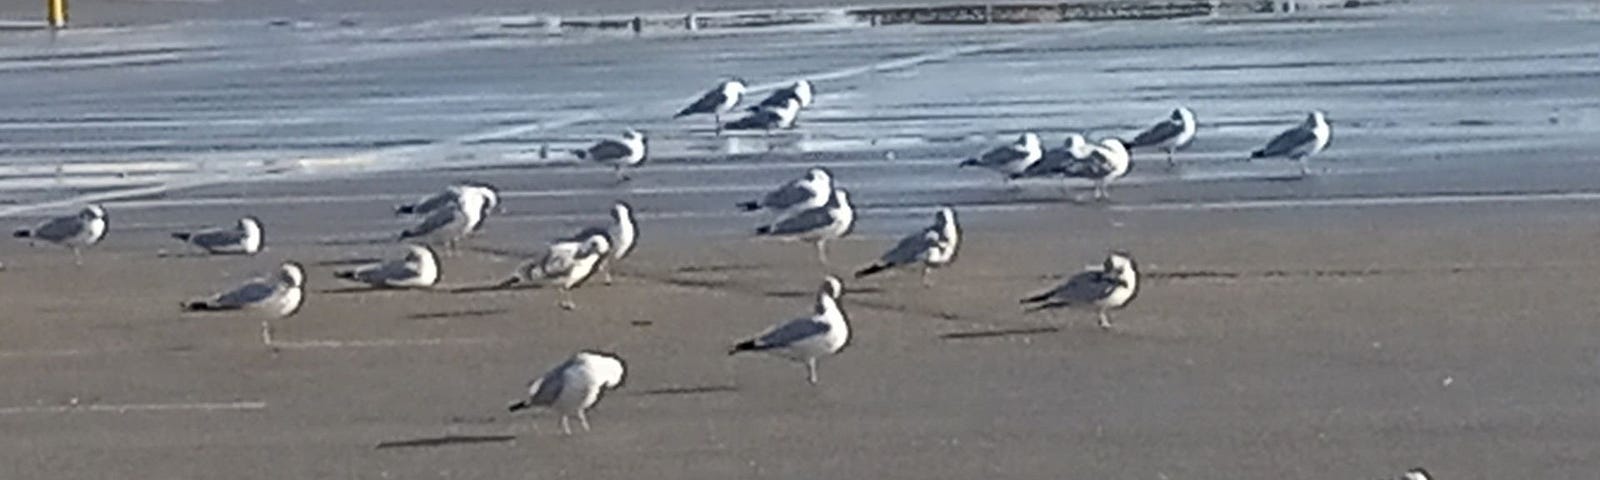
<point>621,211</point>
<point>608,367</point>
<point>1183,115</point>
<point>1029,140</point>
<point>841,197</point>
<point>92,212</point>
<point>818,175</point>
<point>1316,117</point>
<point>802,91</point>
<point>1418,473</point>
<point>946,216</point>
<point>420,254</point>
<point>597,245</point>
<point>1114,146</point>
<point>292,274</point>
<point>1119,262</point>
<point>633,135</point>
<point>1076,143</point>
<point>832,287</point>
<point>488,194</point>
<point>733,87</point>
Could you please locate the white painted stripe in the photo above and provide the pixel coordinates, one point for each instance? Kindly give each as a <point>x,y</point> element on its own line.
<point>1385,201</point>
<point>135,407</point>
<point>385,343</point>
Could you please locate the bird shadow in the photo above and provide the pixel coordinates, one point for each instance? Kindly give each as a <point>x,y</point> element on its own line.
<point>346,262</point>
<point>446,440</point>
<point>490,287</point>
<point>690,390</point>
<point>181,255</point>
<point>499,252</point>
<point>488,312</point>
<point>355,241</point>
<point>1004,332</point>
<point>719,268</point>
<point>807,293</point>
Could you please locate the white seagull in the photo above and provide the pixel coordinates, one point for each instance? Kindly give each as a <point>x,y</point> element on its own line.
<point>1418,473</point>
<point>716,102</point>
<point>565,265</point>
<point>933,247</point>
<point>800,91</point>
<point>1299,143</point>
<point>276,296</point>
<point>418,269</point>
<point>620,153</point>
<point>804,193</point>
<point>768,118</point>
<point>450,196</point>
<point>243,238</point>
<point>448,225</point>
<point>817,225</point>
<point>1110,287</point>
<point>1011,160</point>
<point>77,231</point>
<point>574,386</point>
<point>1055,161</point>
<point>622,233</point>
<point>1169,135</point>
<point>806,339</point>
<point>1105,162</point>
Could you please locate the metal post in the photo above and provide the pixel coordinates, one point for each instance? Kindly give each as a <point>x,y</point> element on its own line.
<point>56,13</point>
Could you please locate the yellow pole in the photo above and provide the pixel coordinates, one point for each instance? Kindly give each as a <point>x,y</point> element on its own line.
<point>57,13</point>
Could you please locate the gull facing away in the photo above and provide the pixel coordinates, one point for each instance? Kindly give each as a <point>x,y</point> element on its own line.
<point>804,193</point>
<point>565,265</point>
<point>933,247</point>
<point>621,233</point>
<point>275,296</point>
<point>1299,143</point>
<point>817,225</point>
<point>488,194</point>
<point>768,118</point>
<point>716,102</point>
<point>448,225</point>
<point>806,339</point>
<point>1169,135</point>
<point>1111,287</point>
<point>243,238</point>
<point>83,229</point>
<point>574,386</point>
<point>619,153</point>
<point>418,269</point>
<point>1105,162</point>
<point>1011,160</point>
<point>799,91</point>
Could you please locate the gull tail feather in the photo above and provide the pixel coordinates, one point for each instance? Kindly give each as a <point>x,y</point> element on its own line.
<point>24,233</point>
<point>749,206</point>
<point>872,269</point>
<point>519,405</point>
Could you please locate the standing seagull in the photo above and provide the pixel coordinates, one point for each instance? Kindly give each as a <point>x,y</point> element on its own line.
<point>1418,473</point>
<point>810,191</point>
<point>817,225</point>
<point>933,247</point>
<point>1105,162</point>
<point>800,91</point>
<point>277,296</point>
<point>620,153</point>
<point>451,224</point>
<point>1170,135</point>
<point>1056,161</point>
<point>807,339</point>
<point>1011,160</point>
<point>768,118</point>
<point>622,232</point>
<point>574,386</point>
<point>1111,287</point>
<point>418,269</point>
<point>84,229</point>
<point>566,265</point>
<point>453,196</point>
<point>1299,143</point>
<point>716,102</point>
<point>244,238</point>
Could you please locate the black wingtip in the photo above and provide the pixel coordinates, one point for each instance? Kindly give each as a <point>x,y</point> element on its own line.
<point>749,206</point>
<point>764,229</point>
<point>745,346</point>
<point>872,269</point>
<point>345,274</point>
<point>1258,154</point>
<point>196,306</point>
<point>405,210</point>
<point>518,406</point>
<point>22,233</point>
<point>968,162</point>
<point>581,154</point>
<point>182,236</point>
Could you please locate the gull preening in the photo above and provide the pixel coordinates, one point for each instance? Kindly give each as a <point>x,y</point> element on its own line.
<point>565,265</point>
<point>932,247</point>
<point>619,153</point>
<point>279,295</point>
<point>1105,162</point>
<point>1110,287</point>
<point>1300,142</point>
<point>454,195</point>
<point>806,339</point>
<point>78,231</point>
<point>716,102</point>
<point>243,238</point>
<point>804,193</point>
<point>451,223</point>
<point>574,386</point>
<point>622,233</point>
<point>800,91</point>
<point>817,225</point>
<point>768,118</point>
<point>1169,135</point>
<point>419,268</point>
<point>1011,160</point>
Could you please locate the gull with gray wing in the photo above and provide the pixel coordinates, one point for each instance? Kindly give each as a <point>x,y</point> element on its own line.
<point>279,295</point>
<point>575,386</point>
<point>1011,160</point>
<point>625,152</point>
<point>78,231</point>
<point>1300,142</point>
<point>806,339</point>
<point>566,264</point>
<point>419,268</point>
<point>1169,135</point>
<point>801,194</point>
<point>932,247</point>
<point>622,233</point>
<point>832,220</point>
<point>243,238</point>
<point>1110,287</point>
<point>767,118</point>
<point>716,102</point>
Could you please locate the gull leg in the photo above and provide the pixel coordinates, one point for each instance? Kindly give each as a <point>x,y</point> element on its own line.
<point>811,370</point>
<point>1100,190</point>
<point>717,117</point>
<point>927,282</point>
<point>566,427</point>
<point>266,333</point>
<point>1105,320</point>
<point>566,300</point>
<point>621,177</point>
<point>77,256</point>
<point>605,269</point>
<point>583,420</point>
<point>1170,163</point>
<point>822,251</point>
<point>1305,168</point>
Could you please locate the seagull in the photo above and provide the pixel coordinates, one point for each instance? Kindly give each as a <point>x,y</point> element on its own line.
<point>800,90</point>
<point>1055,161</point>
<point>574,386</point>
<point>277,296</point>
<point>418,269</point>
<point>84,229</point>
<point>450,225</point>
<point>455,195</point>
<point>768,118</point>
<point>1011,160</point>
<point>806,339</point>
<point>933,247</point>
<point>1418,473</point>
<point>1300,142</point>
<point>1105,162</point>
<point>832,220</point>
<point>808,192</point>
<point>1110,287</point>
<point>244,238</point>
<point>620,153</point>
<point>567,264</point>
<point>716,102</point>
<point>1170,135</point>
<point>621,233</point>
